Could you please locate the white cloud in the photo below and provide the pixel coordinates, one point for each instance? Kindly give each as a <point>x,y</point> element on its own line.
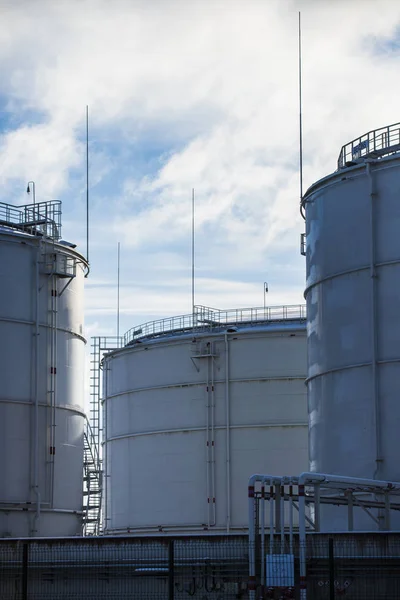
<point>181,95</point>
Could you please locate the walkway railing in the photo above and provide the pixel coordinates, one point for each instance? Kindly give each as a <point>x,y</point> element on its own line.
<point>41,218</point>
<point>374,144</point>
<point>206,318</point>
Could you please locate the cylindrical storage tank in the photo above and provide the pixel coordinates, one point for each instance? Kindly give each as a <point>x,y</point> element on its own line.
<point>190,416</point>
<point>42,382</point>
<point>353,294</point>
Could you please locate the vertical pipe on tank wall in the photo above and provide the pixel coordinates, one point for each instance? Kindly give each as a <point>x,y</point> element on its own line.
<point>55,299</point>
<point>105,471</point>
<point>36,488</point>
<point>375,391</point>
<point>228,441</point>
<point>213,491</point>
<point>208,442</point>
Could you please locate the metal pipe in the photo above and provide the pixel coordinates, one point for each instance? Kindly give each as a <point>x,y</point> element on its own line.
<point>282,514</point>
<point>103,459</point>
<point>302,542</point>
<point>36,487</point>
<point>375,383</point>
<point>350,514</point>
<point>317,512</point>
<point>307,477</point>
<point>262,534</point>
<point>213,485</point>
<point>291,519</point>
<point>55,382</point>
<point>208,466</point>
<point>252,539</point>
<point>228,441</point>
<point>271,519</point>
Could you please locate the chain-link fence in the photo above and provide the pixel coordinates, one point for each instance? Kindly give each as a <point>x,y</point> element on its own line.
<point>354,566</point>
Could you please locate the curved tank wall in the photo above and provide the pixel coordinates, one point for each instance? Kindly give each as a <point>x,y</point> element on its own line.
<point>353,294</point>
<point>41,393</point>
<point>189,418</point>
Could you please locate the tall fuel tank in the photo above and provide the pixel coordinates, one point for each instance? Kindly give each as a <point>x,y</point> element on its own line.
<point>193,408</point>
<point>42,374</point>
<point>353,299</point>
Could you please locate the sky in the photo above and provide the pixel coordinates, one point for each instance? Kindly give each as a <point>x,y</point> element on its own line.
<point>187,94</point>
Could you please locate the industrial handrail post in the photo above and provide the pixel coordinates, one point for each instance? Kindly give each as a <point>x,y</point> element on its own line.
<point>25,561</point>
<point>171,570</point>
<point>331,571</point>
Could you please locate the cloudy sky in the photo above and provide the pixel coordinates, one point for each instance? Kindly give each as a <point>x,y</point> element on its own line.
<point>187,94</point>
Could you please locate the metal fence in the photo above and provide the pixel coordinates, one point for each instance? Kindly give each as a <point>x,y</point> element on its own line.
<point>41,218</point>
<point>356,566</point>
<point>374,144</point>
<point>205,318</point>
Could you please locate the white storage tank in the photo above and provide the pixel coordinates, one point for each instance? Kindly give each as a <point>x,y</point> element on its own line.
<point>42,374</point>
<point>192,410</point>
<point>353,299</point>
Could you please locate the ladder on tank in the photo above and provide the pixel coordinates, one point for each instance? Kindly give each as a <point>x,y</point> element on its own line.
<point>93,459</point>
<point>92,482</point>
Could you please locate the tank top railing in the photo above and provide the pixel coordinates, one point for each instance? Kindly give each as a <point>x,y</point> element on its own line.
<point>41,218</point>
<point>206,318</point>
<point>374,144</point>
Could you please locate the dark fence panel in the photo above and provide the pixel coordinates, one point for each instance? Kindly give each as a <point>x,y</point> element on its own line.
<point>354,566</point>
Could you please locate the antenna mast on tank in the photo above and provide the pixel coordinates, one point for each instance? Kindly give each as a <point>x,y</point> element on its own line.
<point>193,255</point>
<point>87,183</point>
<point>300,124</point>
<point>118,278</point>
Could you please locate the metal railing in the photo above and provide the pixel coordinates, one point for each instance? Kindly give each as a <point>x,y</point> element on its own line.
<point>206,318</point>
<point>41,218</point>
<point>374,144</point>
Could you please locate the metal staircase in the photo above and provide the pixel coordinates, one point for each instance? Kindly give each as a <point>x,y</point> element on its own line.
<point>92,478</point>
<point>93,456</point>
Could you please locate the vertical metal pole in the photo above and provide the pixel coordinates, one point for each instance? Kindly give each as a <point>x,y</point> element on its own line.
<point>262,501</point>
<point>271,519</point>
<point>193,231</point>
<point>387,511</point>
<point>25,558</point>
<point>300,117</point>
<point>350,516</point>
<point>291,519</point>
<point>302,543</point>
<point>171,570</point>
<point>374,327</point>
<point>282,511</point>
<point>317,506</point>
<point>331,571</point>
<point>228,438</point>
<point>278,508</point>
<point>252,545</point>
<point>87,183</point>
<point>118,273</point>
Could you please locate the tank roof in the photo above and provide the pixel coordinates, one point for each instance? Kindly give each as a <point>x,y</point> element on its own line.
<point>213,320</point>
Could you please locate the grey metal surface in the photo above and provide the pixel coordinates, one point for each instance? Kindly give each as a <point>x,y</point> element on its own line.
<point>353,294</point>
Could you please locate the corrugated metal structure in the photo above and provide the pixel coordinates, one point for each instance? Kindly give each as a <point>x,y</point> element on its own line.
<point>42,370</point>
<point>191,407</point>
<point>353,294</point>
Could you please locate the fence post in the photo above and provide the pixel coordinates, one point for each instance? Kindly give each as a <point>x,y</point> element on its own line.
<point>171,570</point>
<point>331,571</point>
<point>25,557</point>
